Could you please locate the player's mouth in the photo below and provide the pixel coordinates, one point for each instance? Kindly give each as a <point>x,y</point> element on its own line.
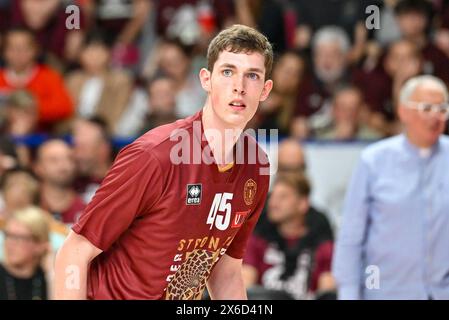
<point>237,105</point>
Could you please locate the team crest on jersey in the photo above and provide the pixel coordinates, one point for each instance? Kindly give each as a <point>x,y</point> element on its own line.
<point>194,193</point>
<point>249,191</point>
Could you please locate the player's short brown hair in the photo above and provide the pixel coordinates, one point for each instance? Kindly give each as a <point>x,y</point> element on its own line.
<point>296,180</point>
<point>240,38</point>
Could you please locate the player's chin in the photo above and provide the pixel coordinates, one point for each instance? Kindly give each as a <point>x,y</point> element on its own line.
<point>237,119</point>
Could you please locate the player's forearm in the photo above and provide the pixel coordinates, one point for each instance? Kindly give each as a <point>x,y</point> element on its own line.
<point>250,275</point>
<point>70,280</point>
<point>71,267</point>
<point>231,289</point>
<point>227,284</point>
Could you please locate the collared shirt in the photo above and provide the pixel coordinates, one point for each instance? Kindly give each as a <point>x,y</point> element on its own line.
<point>394,238</point>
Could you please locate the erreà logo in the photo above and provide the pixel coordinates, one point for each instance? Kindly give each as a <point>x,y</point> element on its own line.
<point>193,193</point>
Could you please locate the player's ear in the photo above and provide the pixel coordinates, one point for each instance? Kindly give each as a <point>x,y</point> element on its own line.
<point>266,90</point>
<point>205,79</point>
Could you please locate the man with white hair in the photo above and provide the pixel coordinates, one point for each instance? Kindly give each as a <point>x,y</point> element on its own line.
<point>330,47</point>
<point>395,230</point>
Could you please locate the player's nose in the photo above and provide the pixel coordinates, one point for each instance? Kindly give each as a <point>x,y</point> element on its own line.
<point>239,86</point>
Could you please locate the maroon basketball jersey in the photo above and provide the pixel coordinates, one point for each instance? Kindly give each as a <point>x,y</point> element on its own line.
<point>163,225</point>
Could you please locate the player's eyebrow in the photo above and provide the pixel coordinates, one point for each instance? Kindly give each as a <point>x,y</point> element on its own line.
<point>256,70</point>
<point>231,66</point>
<point>228,65</point>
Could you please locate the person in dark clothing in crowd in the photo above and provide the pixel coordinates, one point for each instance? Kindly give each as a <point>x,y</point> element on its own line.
<point>292,249</point>
<point>26,235</point>
<point>414,18</point>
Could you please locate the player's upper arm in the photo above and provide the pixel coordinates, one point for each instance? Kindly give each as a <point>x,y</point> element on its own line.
<point>132,186</point>
<point>238,245</point>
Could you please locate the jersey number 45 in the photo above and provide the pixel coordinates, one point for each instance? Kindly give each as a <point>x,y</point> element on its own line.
<point>220,211</point>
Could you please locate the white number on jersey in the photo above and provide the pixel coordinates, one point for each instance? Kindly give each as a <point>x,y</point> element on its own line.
<point>220,211</point>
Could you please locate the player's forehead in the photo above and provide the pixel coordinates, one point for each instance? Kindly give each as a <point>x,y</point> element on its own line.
<point>241,60</point>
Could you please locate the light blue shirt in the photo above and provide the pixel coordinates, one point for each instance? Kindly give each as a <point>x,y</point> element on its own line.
<point>394,237</point>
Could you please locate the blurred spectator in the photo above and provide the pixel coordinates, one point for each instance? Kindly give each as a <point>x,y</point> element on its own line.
<point>97,89</point>
<point>20,189</point>
<point>330,47</point>
<point>414,18</point>
<point>381,86</point>
<point>93,155</point>
<point>47,20</point>
<point>348,107</point>
<point>265,15</point>
<point>393,239</point>
<point>442,32</point>
<point>21,116</point>
<point>55,166</point>
<point>4,18</point>
<point>175,61</point>
<point>162,103</point>
<point>133,117</point>
<point>389,29</point>
<point>292,160</point>
<point>442,40</point>
<point>120,19</point>
<point>402,62</point>
<point>188,20</point>
<point>313,15</point>
<point>277,111</point>
<point>23,72</point>
<point>122,22</point>
<point>19,120</point>
<point>291,156</point>
<point>26,244</point>
<point>290,253</point>
<point>9,158</point>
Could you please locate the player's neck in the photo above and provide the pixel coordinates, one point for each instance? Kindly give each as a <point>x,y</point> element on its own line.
<point>222,148</point>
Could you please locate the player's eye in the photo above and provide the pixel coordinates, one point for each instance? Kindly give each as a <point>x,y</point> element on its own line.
<point>227,72</point>
<point>253,76</point>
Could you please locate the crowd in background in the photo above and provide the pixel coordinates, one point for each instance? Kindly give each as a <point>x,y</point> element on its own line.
<point>70,98</point>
